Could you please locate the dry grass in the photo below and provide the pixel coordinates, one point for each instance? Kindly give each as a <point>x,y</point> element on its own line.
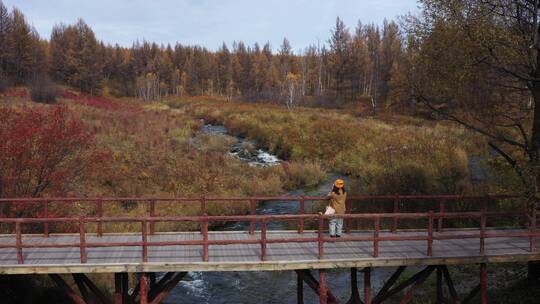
<point>399,155</point>
<point>158,151</point>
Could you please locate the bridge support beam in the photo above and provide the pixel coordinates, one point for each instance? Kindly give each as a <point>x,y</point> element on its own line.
<point>367,285</point>
<point>145,291</point>
<point>483,284</point>
<point>533,271</point>
<point>300,287</point>
<point>118,288</point>
<point>315,285</point>
<point>60,283</point>
<point>323,296</point>
<point>440,298</point>
<point>355,295</point>
<point>95,295</point>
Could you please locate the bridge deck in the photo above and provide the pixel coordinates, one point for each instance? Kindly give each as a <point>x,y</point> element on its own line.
<point>245,257</point>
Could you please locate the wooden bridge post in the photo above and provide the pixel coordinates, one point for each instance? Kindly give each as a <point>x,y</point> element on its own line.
<point>441,216</point>
<point>348,210</point>
<point>204,228</point>
<point>323,296</point>
<point>440,297</point>
<point>100,215</point>
<point>263,239</point>
<point>144,240</point>
<point>301,210</point>
<point>143,291</point>
<point>430,234</point>
<point>300,287</point>
<point>152,213</point>
<point>483,284</point>
<point>367,285</point>
<point>320,236</point>
<point>82,240</point>
<point>117,288</point>
<point>483,221</point>
<point>46,215</point>
<point>203,211</point>
<point>252,210</point>
<point>376,230</point>
<point>355,295</point>
<point>395,219</point>
<point>125,287</point>
<point>18,242</point>
<point>203,205</point>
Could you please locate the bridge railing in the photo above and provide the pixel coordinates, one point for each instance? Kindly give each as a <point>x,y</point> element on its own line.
<point>437,203</point>
<point>432,232</point>
<point>318,236</point>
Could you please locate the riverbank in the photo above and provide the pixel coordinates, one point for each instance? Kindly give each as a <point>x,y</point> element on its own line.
<point>403,155</point>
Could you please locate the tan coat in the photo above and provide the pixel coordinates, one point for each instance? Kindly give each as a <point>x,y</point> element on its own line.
<point>337,201</point>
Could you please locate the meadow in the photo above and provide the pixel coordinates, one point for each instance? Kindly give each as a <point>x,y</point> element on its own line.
<point>153,150</point>
<point>391,154</point>
<point>157,149</point>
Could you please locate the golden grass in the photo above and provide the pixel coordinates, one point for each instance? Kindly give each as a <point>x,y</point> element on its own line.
<point>400,155</point>
<point>158,151</point>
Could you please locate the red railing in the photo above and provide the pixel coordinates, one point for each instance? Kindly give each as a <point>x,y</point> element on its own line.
<point>204,220</point>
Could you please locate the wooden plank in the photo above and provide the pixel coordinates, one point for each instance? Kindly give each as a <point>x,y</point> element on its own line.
<point>246,256</point>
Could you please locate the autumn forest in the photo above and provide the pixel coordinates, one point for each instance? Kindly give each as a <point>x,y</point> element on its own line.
<point>441,101</point>
<point>360,63</point>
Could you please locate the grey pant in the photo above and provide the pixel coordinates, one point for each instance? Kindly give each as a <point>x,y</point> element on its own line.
<point>336,226</point>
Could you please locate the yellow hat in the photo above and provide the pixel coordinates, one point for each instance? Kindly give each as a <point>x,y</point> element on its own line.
<point>339,183</point>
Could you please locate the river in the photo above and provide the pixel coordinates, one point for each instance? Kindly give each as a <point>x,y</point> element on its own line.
<point>277,287</point>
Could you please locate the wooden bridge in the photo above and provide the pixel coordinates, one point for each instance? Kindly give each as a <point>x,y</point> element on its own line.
<point>391,231</point>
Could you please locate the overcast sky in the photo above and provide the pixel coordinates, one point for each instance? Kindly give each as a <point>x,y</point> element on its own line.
<point>210,22</point>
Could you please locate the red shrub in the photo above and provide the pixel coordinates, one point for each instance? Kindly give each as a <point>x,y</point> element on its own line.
<point>42,149</point>
<point>98,102</point>
<point>20,93</point>
<point>69,95</point>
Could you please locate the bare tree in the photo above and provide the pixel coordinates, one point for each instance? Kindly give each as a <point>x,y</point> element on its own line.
<point>478,66</point>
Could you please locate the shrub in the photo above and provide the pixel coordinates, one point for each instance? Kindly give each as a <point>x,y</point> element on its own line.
<point>42,149</point>
<point>303,174</point>
<point>43,90</point>
<point>396,155</point>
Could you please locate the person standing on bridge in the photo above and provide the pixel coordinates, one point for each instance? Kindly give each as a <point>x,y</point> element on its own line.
<point>337,197</point>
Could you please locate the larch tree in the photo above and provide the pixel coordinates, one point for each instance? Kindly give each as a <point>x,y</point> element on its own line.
<point>372,81</point>
<point>340,43</point>
<point>20,60</point>
<point>354,65</point>
<point>6,42</point>
<point>359,61</point>
<point>391,44</point>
